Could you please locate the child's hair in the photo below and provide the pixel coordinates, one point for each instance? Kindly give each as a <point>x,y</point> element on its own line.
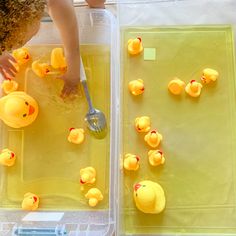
<point>15,18</point>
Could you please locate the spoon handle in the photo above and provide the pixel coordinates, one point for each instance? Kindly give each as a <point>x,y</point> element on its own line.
<point>85,86</point>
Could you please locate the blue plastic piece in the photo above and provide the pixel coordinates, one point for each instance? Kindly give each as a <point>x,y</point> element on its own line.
<point>58,231</point>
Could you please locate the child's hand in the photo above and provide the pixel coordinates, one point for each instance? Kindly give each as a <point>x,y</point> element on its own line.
<point>71,84</point>
<point>6,65</point>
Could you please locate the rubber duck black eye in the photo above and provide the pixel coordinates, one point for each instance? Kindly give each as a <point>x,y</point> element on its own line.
<point>24,115</point>
<point>26,103</point>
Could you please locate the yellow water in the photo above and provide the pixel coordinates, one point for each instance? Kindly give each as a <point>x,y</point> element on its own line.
<point>198,134</point>
<point>47,164</point>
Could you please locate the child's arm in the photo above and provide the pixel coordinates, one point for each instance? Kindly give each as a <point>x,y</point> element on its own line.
<point>63,15</point>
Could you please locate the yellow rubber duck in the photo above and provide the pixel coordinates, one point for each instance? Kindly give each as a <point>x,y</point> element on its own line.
<point>153,138</point>
<point>9,86</point>
<point>136,87</point>
<point>87,175</point>
<point>21,55</point>
<point>156,157</point>
<point>176,86</point>
<point>30,202</point>
<point>143,124</point>
<point>7,157</point>
<point>149,197</point>
<point>94,195</point>
<point>193,88</point>
<point>135,46</point>
<point>58,60</point>
<point>76,136</point>
<point>41,69</point>
<point>209,75</point>
<point>131,162</point>
<point>18,109</point>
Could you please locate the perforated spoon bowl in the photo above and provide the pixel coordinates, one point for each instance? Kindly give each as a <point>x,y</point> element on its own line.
<point>95,119</point>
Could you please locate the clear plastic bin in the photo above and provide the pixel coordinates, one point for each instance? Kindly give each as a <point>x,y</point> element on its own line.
<point>97,28</point>
<point>186,37</point>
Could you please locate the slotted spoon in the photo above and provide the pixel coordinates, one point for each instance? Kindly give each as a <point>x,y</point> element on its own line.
<point>95,119</point>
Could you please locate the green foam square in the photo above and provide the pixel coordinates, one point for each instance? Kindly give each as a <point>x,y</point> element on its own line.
<point>149,54</point>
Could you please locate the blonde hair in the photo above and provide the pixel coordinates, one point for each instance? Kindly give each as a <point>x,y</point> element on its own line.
<point>15,18</point>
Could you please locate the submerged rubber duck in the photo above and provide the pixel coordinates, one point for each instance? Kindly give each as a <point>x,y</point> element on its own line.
<point>21,55</point>
<point>136,87</point>
<point>149,197</point>
<point>135,46</point>
<point>131,162</point>
<point>41,69</point>
<point>76,136</point>
<point>209,75</point>
<point>30,202</point>
<point>94,195</point>
<point>153,138</point>
<point>193,88</point>
<point>143,124</point>
<point>176,86</point>
<point>87,175</point>
<point>7,157</point>
<point>156,157</point>
<point>58,60</point>
<point>9,86</point>
<point>18,109</point>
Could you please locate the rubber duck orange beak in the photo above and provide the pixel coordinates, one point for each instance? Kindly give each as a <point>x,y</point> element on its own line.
<point>31,110</point>
<point>26,57</point>
<point>82,182</point>
<point>35,199</point>
<point>137,158</point>
<point>12,155</point>
<point>137,186</point>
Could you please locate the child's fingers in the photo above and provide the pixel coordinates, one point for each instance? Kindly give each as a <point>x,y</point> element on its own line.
<point>65,92</point>
<point>3,73</point>
<point>11,58</point>
<point>11,67</point>
<point>9,72</point>
<point>69,91</point>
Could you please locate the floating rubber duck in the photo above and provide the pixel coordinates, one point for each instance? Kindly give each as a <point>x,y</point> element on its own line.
<point>58,60</point>
<point>176,86</point>
<point>153,138</point>
<point>21,55</point>
<point>136,87</point>
<point>193,88</point>
<point>156,157</point>
<point>76,136</point>
<point>135,46</point>
<point>94,195</point>
<point>40,69</point>
<point>30,202</point>
<point>149,197</point>
<point>131,162</point>
<point>7,157</point>
<point>209,75</point>
<point>9,86</point>
<point>142,124</point>
<point>87,175</point>
<point>18,109</point>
